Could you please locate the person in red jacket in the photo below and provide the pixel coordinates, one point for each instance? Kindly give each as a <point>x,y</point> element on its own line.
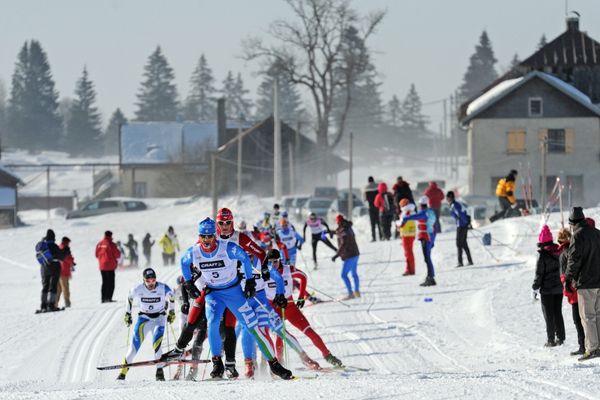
<point>66,266</point>
<point>108,255</point>
<point>435,196</point>
<point>384,201</point>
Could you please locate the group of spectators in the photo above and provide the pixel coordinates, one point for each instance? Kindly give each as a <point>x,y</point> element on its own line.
<point>571,269</point>
<point>168,243</point>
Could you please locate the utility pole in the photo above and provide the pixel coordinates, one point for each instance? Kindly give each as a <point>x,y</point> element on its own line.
<point>48,192</point>
<point>276,143</point>
<point>350,195</point>
<point>445,125</point>
<point>291,166</point>
<point>239,162</point>
<point>544,153</point>
<point>213,183</point>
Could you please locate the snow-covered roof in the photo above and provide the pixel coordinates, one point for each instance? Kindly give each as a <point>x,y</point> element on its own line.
<point>498,92</point>
<point>169,142</point>
<point>10,175</point>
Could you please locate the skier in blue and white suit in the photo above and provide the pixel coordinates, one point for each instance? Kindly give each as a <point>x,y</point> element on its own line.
<point>154,300</point>
<point>217,262</point>
<point>290,238</point>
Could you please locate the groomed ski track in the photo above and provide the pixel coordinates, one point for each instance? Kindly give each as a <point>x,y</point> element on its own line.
<point>479,337</point>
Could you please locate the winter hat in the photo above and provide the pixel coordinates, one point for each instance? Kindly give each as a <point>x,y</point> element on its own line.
<point>408,207</point>
<point>371,179</point>
<point>576,215</point>
<point>590,222</point>
<point>545,235</point>
<point>424,200</point>
<point>450,194</point>
<point>66,240</point>
<point>108,234</point>
<point>339,219</point>
<point>404,202</point>
<point>564,235</point>
<point>50,235</point>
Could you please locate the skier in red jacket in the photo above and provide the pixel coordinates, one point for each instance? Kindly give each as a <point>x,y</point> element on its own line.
<point>66,266</point>
<point>108,255</point>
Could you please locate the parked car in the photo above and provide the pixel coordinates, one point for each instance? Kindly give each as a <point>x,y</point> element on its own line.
<point>326,192</point>
<point>340,205</point>
<point>317,205</point>
<point>296,208</point>
<point>287,203</point>
<point>107,206</point>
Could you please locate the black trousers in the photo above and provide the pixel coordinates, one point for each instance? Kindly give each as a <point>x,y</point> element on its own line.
<point>108,285</point>
<point>437,226</point>
<point>578,326</point>
<point>375,227</point>
<point>50,277</point>
<point>316,238</point>
<point>386,224</point>
<point>552,309</point>
<point>462,244</point>
<point>168,259</point>
<point>187,333</point>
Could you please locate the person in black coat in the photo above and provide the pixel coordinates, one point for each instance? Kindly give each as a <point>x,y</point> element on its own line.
<point>50,272</point>
<point>370,194</point>
<point>147,244</point>
<point>547,283</point>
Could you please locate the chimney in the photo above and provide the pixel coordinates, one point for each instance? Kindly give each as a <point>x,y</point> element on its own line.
<point>221,122</point>
<point>573,24</point>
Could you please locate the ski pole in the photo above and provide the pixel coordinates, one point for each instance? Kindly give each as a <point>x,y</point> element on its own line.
<point>285,355</point>
<point>332,298</point>
<point>168,347</point>
<point>128,334</point>
<point>283,333</point>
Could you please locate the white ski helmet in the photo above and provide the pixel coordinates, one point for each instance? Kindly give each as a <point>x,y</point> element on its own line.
<point>424,200</point>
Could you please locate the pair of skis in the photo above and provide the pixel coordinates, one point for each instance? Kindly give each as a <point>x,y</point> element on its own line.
<point>153,362</point>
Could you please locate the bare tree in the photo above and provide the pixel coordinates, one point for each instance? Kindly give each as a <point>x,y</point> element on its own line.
<point>312,50</point>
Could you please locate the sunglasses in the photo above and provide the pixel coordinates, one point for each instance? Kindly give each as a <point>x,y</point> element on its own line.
<point>149,279</point>
<point>207,236</point>
<point>274,260</point>
<point>225,222</point>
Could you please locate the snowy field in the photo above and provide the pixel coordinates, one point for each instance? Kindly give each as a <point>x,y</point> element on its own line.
<point>480,336</point>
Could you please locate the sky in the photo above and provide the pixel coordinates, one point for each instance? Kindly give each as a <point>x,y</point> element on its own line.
<point>427,43</point>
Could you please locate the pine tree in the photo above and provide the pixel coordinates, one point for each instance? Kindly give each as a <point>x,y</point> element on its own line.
<point>480,72</point>
<point>410,114</point>
<point>242,103</point>
<point>236,105</point>
<point>2,112</point>
<point>84,127</point>
<point>111,134</point>
<point>394,111</point>
<point>157,96</point>
<point>33,121</point>
<point>201,103</point>
<point>542,42</point>
<point>290,102</point>
<point>514,63</point>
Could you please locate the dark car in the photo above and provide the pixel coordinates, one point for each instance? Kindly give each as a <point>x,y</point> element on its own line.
<point>326,192</point>
<point>99,207</point>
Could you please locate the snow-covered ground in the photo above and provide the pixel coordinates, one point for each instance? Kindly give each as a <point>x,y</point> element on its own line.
<point>480,336</point>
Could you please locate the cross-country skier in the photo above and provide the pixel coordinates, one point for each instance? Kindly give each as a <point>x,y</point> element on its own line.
<point>216,260</point>
<point>293,313</point>
<point>348,252</point>
<point>155,300</point>
<point>426,235</point>
<point>318,230</point>
<point>463,222</point>
<point>290,238</point>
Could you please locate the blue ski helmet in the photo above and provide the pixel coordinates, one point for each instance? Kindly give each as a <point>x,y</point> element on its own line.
<point>207,227</point>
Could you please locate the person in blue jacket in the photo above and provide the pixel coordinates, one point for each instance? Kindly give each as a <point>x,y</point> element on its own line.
<point>426,219</point>
<point>463,223</point>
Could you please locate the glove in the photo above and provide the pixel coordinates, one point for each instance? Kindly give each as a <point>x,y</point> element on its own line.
<point>331,233</point>
<point>334,258</point>
<point>569,286</point>
<point>280,301</point>
<point>264,270</point>
<point>323,235</point>
<point>299,246</point>
<point>185,308</point>
<point>250,288</point>
<point>192,290</point>
<point>171,317</point>
<point>535,294</point>
<point>300,303</point>
<point>127,319</point>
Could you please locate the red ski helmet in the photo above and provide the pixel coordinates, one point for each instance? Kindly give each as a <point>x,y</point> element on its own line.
<point>225,216</point>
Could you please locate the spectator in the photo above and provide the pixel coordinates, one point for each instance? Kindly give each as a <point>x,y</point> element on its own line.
<point>132,246</point>
<point>425,218</point>
<point>408,232</point>
<point>463,223</point>
<point>170,245</point>
<point>49,256</point>
<point>384,201</point>
<point>67,265</point>
<point>370,194</point>
<point>547,283</point>
<point>583,270</point>
<point>348,252</point>
<point>505,191</point>
<point>435,196</point>
<point>402,190</point>
<point>564,240</point>
<point>147,244</point>
<point>108,255</point>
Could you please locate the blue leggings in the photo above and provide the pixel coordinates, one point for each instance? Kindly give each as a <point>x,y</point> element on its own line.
<point>349,267</point>
<point>427,245</point>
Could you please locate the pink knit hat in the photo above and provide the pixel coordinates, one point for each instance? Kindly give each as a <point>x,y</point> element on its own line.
<point>545,235</point>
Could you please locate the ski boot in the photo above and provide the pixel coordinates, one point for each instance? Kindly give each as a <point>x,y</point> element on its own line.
<point>279,370</point>
<point>173,354</point>
<point>314,300</point>
<point>357,294</point>
<point>230,369</point>
<point>579,352</point>
<point>178,372</point>
<point>249,368</point>
<point>333,360</point>
<point>309,362</point>
<point>192,374</point>
<point>429,281</point>
<point>160,374</point>
<point>350,296</point>
<point>218,367</point>
<point>121,377</point>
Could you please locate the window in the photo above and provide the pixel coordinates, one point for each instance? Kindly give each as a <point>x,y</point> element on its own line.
<point>109,204</point>
<point>536,108</point>
<point>515,141</point>
<point>139,189</point>
<point>556,141</point>
<point>91,206</point>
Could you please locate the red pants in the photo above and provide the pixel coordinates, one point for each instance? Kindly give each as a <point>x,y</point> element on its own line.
<point>294,316</point>
<point>196,309</point>
<point>407,244</point>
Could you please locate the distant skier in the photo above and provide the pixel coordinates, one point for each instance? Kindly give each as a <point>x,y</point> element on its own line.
<point>155,302</point>
<point>132,246</point>
<point>370,194</point>
<point>290,238</point>
<point>408,232</point>
<point>147,244</point>
<point>463,224</point>
<point>67,266</point>
<point>426,235</point>
<point>318,230</point>
<point>169,245</point>
<point>49,257</point>
<point>108,255</point>
<point>348,252</point>
<point>384,201</point>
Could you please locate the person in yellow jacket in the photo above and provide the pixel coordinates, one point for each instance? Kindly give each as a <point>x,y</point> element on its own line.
<point>170,245</point>
<point>505,191</point>
<point>408,232</point>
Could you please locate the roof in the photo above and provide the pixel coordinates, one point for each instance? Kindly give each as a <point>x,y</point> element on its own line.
<point>502,89</point>
<point>151,143</point>
<point>10,177</point>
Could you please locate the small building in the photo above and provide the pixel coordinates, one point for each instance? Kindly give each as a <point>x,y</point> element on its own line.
<point>8,198</point>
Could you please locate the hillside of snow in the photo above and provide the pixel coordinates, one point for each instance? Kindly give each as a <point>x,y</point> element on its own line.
<point>480,336</point>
